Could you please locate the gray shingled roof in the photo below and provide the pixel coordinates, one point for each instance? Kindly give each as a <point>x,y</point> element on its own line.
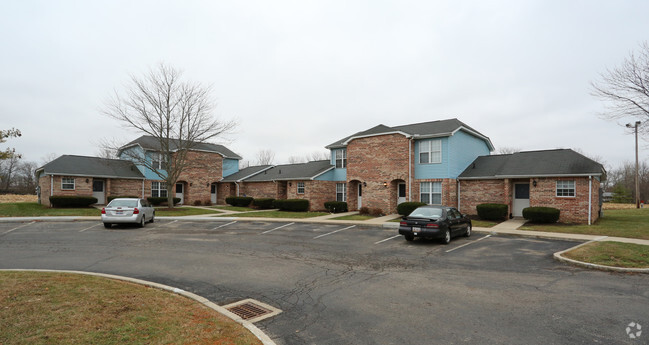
<point>560,162</point>
<point>151,143</point>
<point>424,129</point>
<point>245,173</point>
<point>91,166</point>
<point>302,171</point>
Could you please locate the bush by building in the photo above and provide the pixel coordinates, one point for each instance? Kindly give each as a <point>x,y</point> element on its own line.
<point>72,201</point>
<point>294,205</point>
<point>336,206</point>
<point>541,214</point>
<point>239,201</point>
<point>263,203</point>
<point>157,201</point>
<point>492,211</point>
<point>406,208</point>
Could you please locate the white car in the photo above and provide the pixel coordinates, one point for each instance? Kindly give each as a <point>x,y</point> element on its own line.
<point>127,210</point>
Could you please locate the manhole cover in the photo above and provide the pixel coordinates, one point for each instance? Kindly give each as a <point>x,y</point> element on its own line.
<point>252,310</point>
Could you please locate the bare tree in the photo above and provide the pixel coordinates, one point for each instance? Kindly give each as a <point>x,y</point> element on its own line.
<point>296,160</point>
<point>177,113</point>
<point>4,135</point>
<point>8,168</point>
<point>319,156</point>
<point>265,157</point>
<point>108,148</point>
<point>625,89</point>
<point>505,150</point>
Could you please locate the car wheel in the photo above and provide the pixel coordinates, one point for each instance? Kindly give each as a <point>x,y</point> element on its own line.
<point>142,221</point>
<point>152,217</point>
<point>108,225</point>
<point>409,237</point>
<point>468,231</point>
<point>447,237</point>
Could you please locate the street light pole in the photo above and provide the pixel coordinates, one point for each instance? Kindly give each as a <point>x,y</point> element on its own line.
<point>637,180</point>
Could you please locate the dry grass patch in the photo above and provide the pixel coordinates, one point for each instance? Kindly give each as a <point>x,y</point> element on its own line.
<point>8,198</point>
<point>56,308</point>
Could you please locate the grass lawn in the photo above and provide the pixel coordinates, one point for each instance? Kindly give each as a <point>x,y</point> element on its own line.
<point>233,208</point>
<point>614,254</point>
<point>354,217</point>
<point>55,308</point>
<point>278,214</point>
<point>483,223</point>
<point>631,223</point>
<point>183,211</point>
<point>32,209</point>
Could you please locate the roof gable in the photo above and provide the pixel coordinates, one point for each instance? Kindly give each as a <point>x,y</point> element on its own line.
<point>561,162</point>
<point>92,166</point>
<point>429,129</point>
<point>301,171</point>
<point>151,143</point>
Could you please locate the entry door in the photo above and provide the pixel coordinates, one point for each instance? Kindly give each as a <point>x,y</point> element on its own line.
<point>213,193</point>
<point>360,195</point>
<point>98,191</point>
<point>521,198</point>
<point>179,192</point>
<point>401,193</point>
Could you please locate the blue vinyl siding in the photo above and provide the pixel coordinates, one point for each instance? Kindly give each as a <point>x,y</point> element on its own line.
<point>333,175</point>
<point>137,151</point>
<point>230,166</point>
<point>464,148</point>
<point>432,170</point>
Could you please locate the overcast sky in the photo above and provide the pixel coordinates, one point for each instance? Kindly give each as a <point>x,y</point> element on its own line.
<point>299,75</point>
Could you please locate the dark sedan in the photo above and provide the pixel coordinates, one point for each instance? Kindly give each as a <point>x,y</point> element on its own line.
<point>438,222</point>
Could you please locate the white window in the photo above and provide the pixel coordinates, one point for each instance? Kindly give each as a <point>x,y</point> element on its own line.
<point>158,161</point>
<point>159,189</point>
<point>341,192</point>
<point>431,193</point>
<point>566,188</point>
<point>430,151</point>
<point>67,183</point>
<point>340,156</point>
<point>300,188</point>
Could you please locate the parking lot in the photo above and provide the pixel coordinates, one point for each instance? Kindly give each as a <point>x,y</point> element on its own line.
<point>343,284</point>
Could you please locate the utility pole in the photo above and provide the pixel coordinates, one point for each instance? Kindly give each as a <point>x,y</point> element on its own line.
<point>637,180</point>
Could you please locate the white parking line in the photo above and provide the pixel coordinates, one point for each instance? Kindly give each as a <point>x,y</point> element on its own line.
<point>333,232</point>
<point>18,227</point>
<point>88,228</point>
<point>220,226</point>
<point>277,228</point>
<point>466,244</point>
<point>387,239</point>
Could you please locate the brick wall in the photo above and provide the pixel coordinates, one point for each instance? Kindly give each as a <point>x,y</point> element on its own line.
<point>475,192</point>
<point>224,190</point>
<point>375,161</point>
<point>573,209</point>
<point>259,189</point>
<point>126,187</point>
<point>81,187</point>
<point>202,170</point>
<point>449,190</point>
<point>317,192</point>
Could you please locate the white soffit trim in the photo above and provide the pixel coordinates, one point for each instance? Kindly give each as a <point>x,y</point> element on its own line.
<point>474,133</point>
<point>321,173</point>
<point>374,135</point>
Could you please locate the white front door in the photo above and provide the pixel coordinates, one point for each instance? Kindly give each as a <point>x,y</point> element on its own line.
<point>360,195</point>
<point>213,193</point>
<point>179,192</point>
<point>98,191</point>
<point>521,198</point>
<point>401,193</point>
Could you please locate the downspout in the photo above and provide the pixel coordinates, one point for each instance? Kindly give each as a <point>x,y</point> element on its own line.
<point>236,184</point>
<point>51,185</point>
<point>590,198</point>
<point>458,196</point>
<point>410,169</point>
<point>143,189</point>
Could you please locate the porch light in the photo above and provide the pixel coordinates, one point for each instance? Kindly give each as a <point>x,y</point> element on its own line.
<point>364,184</point>
<point>385,184</point>
<point>534,183</point>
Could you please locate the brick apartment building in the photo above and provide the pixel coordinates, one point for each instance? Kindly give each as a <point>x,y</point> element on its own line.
<point>439,162</point>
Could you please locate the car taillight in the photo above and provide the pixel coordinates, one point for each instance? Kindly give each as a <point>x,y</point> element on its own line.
<point>103,210</point>
<point>136,211</point>
<point>403,223</point>
<point>432,225</point>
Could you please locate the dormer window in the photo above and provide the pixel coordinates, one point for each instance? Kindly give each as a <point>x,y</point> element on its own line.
<point>430,151</point>
<point>158,161</point>
<point>340,156</point>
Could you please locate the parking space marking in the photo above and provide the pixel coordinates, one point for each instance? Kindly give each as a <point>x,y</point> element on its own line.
<point>387,239</point>
<point>277,228</point>
<point>333,232</point>
<point>220,226</point>
<point>18,227</point>
<point>466,244</point>
<point>88,228</point>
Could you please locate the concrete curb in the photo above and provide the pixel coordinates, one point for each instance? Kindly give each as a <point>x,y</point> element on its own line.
<point>559,257</point>
<point>202,300</point>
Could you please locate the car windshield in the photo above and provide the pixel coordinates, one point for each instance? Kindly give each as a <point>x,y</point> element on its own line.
<point>123,203</point>
<point>427,212</point>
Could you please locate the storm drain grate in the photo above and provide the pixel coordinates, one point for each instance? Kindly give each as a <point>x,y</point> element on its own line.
<point>252,310</point>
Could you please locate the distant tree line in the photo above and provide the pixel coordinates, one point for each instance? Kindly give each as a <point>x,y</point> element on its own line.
<point>621,182</point>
